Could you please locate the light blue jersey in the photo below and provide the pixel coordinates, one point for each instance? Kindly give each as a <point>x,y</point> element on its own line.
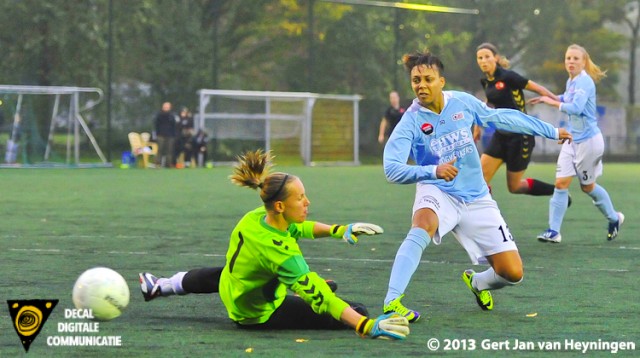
<point>579,103</point>
<point>432,139</point>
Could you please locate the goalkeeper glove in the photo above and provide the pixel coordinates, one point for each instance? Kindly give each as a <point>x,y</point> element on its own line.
<point>349,232</point>
<point>386,326</point>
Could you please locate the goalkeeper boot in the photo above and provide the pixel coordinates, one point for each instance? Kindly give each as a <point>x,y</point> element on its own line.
<point>615,227</point>
<point>550,236</point>
<point>149,286</point>
<point>483,298</point>
<point>153,287</point>
<point>397,307</point>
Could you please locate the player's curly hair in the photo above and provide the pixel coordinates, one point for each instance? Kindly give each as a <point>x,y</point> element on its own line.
<point>254,171</point>
<point>422,58</point>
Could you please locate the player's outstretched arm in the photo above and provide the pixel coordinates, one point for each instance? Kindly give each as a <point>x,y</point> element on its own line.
<point>348,233</point>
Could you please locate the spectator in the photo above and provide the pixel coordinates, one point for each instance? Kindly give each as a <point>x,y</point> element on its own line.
<point>199,148</point>
<point>391,117</point>
<point>165,134</point>
<point>184,140</point>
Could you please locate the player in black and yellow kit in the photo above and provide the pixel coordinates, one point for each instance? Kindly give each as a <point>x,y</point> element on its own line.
<point>264,260</point>
<point>504,89</point>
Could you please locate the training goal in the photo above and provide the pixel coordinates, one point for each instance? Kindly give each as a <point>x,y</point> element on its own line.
<point>44,126</point>
<point>315,129</point>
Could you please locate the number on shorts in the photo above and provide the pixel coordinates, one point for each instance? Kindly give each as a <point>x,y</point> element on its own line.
<point>585,176</point>
<point>504,236</point>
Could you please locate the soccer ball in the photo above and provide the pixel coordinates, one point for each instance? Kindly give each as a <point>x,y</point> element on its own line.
<point>103,291</point>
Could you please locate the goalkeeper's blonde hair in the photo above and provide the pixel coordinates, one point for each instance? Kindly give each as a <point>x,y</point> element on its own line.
<point>254,171</point>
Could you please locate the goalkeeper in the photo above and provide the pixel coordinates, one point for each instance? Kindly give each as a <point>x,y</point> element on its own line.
<point>264,260</point>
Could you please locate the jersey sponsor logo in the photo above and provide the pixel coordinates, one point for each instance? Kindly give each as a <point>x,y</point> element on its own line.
<point>451,141</point>
<point>426,128</point>
<point>458,116</point>
<point>500,85</point>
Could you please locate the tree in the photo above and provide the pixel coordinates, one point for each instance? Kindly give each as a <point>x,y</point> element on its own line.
<point>628,13</point>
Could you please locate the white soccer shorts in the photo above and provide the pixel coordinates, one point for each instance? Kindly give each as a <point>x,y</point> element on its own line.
<point>583,160</point>
<point>478,226</point>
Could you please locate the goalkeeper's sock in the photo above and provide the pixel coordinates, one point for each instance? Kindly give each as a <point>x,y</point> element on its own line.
<point>406,262</point>
<point>557,208</point>
<point>172,286</point>
<point>602,201</point>
<point>490,280</point>
<point>202,280</point>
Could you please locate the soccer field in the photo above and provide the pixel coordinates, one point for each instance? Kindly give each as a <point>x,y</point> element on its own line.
<point>57,223</point>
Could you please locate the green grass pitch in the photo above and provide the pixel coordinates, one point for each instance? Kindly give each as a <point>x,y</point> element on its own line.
<point>56,223</point>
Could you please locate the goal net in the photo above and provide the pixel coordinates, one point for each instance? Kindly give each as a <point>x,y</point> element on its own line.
<point>43,126</point>
<point>313,128</point>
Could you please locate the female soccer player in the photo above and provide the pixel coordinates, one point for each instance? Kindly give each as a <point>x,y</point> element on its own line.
<point>264,260</point>
<point>451,195</point>
<point>583,157</point>
<point>504,89</point>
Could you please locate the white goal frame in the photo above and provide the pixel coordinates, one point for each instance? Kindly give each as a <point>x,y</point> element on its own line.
<point>75,121</point>
<point>305,118</point>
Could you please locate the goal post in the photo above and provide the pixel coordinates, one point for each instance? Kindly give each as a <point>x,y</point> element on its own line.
<point>318,129</point>
<point>43,126</point>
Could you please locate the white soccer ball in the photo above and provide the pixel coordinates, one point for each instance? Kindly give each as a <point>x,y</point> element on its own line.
<point>103,291</point>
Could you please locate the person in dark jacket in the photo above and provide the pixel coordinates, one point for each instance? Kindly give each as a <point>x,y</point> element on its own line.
<point>165,135</point>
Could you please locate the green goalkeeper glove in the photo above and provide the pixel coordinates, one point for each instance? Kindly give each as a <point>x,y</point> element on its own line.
<point>349,232</point>
<point>387,326</point>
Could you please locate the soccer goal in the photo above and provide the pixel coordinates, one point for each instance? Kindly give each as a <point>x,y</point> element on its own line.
<point>43,126</point>
<point>318,129</point>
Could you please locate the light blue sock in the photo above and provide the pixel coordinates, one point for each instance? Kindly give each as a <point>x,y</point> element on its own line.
<point>602,201</point>
<point>557,208</point>
<point>406,262</point>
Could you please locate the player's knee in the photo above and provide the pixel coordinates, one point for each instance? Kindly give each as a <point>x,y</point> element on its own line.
<point>513,275</point>
<point>587,189</point>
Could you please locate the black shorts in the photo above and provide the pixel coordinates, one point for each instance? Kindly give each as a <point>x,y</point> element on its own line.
<point>514,149</point>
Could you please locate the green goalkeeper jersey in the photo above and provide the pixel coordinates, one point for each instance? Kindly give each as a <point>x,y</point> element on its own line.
<point>262,262</point>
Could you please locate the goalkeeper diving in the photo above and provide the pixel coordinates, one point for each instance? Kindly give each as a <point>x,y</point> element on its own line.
<point>264,260</point>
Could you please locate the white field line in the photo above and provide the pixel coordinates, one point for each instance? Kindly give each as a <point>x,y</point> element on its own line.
<point>311,258</point>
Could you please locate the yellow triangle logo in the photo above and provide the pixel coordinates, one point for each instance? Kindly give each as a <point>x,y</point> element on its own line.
<point>28,317</point>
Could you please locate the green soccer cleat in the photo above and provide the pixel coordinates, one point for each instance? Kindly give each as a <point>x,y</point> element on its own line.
<point>397,307</point>
<point>484,299</point>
